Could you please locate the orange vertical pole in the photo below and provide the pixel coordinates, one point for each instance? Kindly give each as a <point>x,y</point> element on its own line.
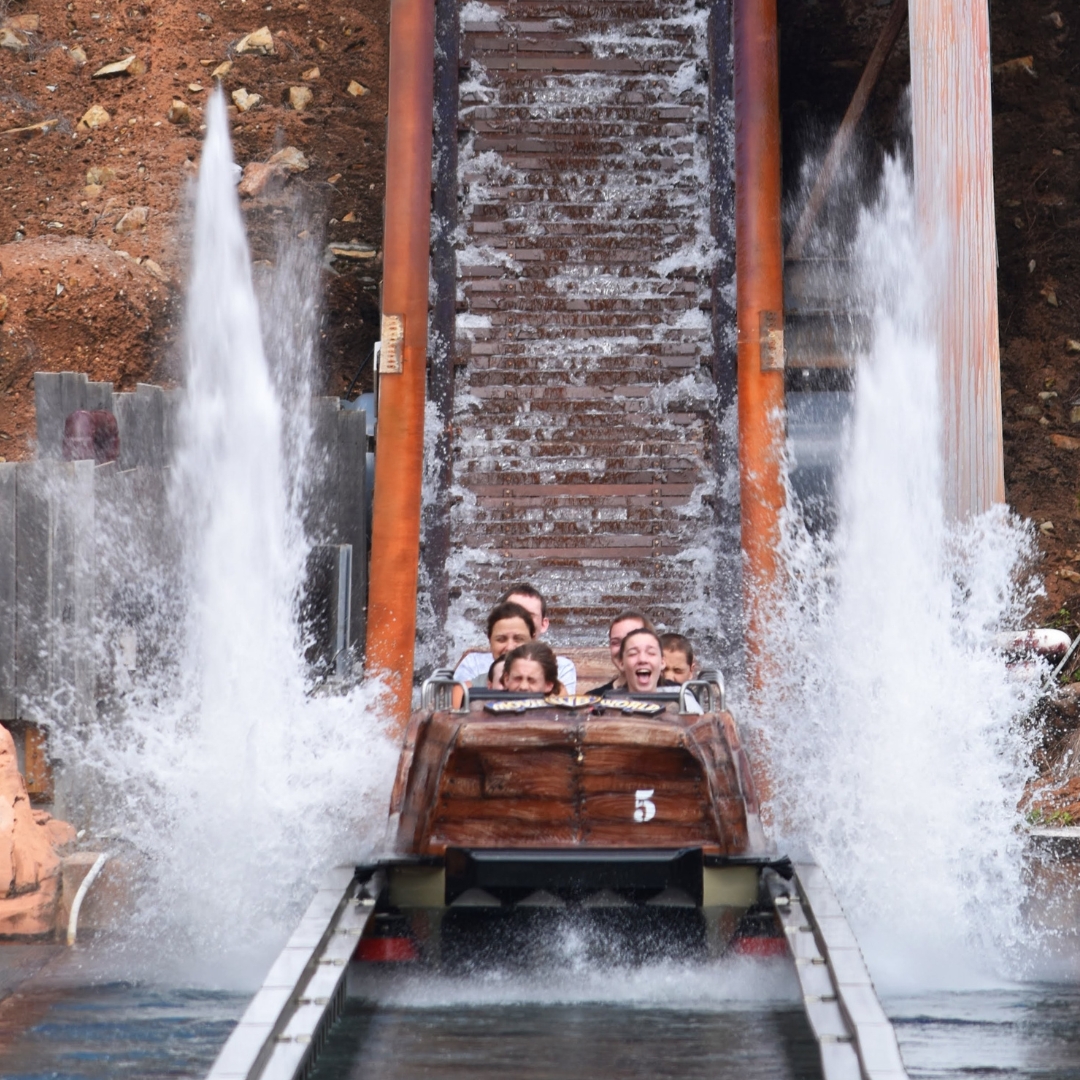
<point>759,267</point>
<point>954,193</point>
<point>399,450</point>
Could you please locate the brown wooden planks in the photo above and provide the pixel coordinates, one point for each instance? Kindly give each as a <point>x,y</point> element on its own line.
<point>561,779</point>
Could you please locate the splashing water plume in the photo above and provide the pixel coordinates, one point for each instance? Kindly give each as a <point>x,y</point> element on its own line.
<point>892,721</point>
<point>236,787</point>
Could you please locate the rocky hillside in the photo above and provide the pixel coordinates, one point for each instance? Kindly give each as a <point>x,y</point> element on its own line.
<point>101,107</point>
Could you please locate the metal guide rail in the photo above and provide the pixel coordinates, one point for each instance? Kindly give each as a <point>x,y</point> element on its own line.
<point>283,1029</point>
<point>855,1037</point>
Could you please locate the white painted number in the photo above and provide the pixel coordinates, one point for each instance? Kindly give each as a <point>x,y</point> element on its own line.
<point>644,807</point>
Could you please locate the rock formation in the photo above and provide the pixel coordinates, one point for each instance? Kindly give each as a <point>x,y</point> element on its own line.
<point>29,863</point>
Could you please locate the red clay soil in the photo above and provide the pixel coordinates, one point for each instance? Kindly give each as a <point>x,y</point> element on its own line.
<point>77,294</point>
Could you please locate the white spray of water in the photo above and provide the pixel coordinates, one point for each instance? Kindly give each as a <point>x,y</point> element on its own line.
<point>892,722</point>
<point>731,984</point>
<point>236,788</point>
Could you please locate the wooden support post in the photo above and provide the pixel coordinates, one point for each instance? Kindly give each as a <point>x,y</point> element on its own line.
<point>760,304</point>
<point>954,192</point>
<point>399,451</point>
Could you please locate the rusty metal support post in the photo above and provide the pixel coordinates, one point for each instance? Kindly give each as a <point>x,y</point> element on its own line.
<point>760,309</point>
<point>954,193</point>
<point>399,450</point>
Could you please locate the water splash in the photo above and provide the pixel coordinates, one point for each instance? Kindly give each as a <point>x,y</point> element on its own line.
<point>234,789</point>
<point>892,723</point>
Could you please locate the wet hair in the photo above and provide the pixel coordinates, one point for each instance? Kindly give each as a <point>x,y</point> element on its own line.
<point>509,610</point>
<point>677,643</point>
<point>523,588</point>
<point>541,654</point>
<point>633,613</point>
<point>635,633</point>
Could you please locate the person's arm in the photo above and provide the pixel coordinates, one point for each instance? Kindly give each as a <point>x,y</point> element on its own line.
<point>567,674</point>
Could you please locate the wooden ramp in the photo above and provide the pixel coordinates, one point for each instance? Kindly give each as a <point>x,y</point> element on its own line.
<point>585,408</point>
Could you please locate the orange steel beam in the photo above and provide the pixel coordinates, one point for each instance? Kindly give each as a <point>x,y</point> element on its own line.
<point>759,268</point>
<point>894,23</point>
<point>954,194</point>
<point>399,458</point>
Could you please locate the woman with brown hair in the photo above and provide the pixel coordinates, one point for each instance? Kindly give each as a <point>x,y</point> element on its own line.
<point>532,669</point>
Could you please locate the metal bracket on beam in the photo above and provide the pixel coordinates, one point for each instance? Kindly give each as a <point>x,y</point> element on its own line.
<point>391,360</point>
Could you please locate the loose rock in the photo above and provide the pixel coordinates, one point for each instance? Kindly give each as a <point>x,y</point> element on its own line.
<point>221,70</point>
<point>1025,64</point>
<point>3,307</point>
<point>1046,527</point>
<point>310,75</point>
<point>29,865</point>
<point>154,268</point>
<point>100,174</point>
<point>195,88</point>
<point>135,218</point>
<point>1072,345</point>
<point>357,89</point>
<point>13,39</point>
<point>32,129</point>
<point>179,112</point>
<point>290,159</point>
<point>259,41</point>
<point>77,56</point>
<point>299,97</point>
<point>130,65</point>
<point>1069,575</point>
<point>244,101</point>
<point>257,174</point>
<point>1065,442</point>
<point>351,251</point>
<point>93,118</point>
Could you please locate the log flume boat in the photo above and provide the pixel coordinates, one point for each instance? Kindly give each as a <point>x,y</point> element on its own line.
<point>635,817</point>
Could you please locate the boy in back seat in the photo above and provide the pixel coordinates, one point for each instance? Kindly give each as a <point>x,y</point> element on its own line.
<point>476,664</point>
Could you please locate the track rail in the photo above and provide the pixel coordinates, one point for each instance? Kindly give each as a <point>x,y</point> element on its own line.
<point>285,1024</point>
<point>855,1037</point>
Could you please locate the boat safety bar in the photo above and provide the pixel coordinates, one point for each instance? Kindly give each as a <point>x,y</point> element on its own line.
<point>286,1022</point>
<point>437,693</point>
<point>855,1037</point>
<point>708,690</point>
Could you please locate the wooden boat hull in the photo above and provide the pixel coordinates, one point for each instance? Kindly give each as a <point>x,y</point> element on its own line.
<point>556,779</point>
<point>632,831</point>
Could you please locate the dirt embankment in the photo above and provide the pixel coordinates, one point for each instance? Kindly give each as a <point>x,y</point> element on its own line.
<point>94,172</point>
<point>1037,181</point>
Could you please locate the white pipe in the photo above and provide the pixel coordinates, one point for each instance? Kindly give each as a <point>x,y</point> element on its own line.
<point>73,918</point>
